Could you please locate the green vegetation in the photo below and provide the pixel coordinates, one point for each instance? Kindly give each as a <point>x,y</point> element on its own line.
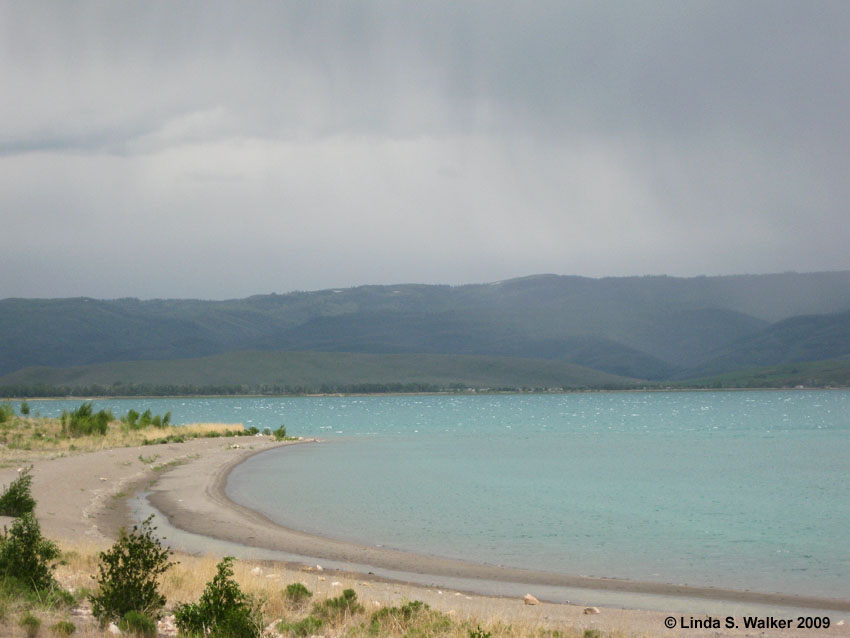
<point>137,624</point>
<point>332,611</point>
<point>412,618</point>
<point>307,626</point>
<point>84,421</point>
<point>637,327</point>
<point>128,575</point>
<point>223,611</point>
<point>138,422</point>
<point>817,374</point>
<point>299,373</point>
<point>17,500</point>
<point>280,433</point>
<point>26,556</point>
<point>297,593</point>
<point>30,624</point>
<point>63,628</point>
<point>49,436</point>
<point>335,610</point>
<point>6,412</point>
<point>25,408</point>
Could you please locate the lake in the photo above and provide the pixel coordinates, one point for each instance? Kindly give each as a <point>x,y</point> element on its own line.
<point>743,490</point>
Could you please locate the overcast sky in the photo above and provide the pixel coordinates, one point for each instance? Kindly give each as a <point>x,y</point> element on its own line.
<point>222,149</point>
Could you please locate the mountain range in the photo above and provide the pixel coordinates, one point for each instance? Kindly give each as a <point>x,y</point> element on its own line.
<point>543,330</point>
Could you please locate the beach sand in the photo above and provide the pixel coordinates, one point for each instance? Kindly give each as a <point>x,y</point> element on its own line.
<point>86,497</point>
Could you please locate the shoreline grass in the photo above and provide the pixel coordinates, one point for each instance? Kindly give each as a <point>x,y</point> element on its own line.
<point>24,438</point>
<point>388,611</point>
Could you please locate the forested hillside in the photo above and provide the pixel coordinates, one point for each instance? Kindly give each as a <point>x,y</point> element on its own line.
<point>655,328</point>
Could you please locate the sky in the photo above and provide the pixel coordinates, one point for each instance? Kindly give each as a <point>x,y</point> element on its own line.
<point>223,149</point>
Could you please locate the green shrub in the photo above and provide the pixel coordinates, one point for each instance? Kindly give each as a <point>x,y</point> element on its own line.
<point>25,555</point>
<point>385,620</point>
<point>305,627</point>
<point>131,419</point>
<point>17,499</point>
<point>7,413</point>
<point>128,575</point>
<point>297,593</point>
<point>479,633</point>
<point>223,610</point>
<point>135,421</point>
<point>280,433</point>
<point>63,628</point>
<point>334,610</point>
<point>30,624</point>
<point>84,421</point>
<point>253,430</point>
<point>591,633</point>
<point>137,624</point>
<point>25,408</point>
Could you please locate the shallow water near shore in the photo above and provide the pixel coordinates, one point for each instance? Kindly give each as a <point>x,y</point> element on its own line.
<point>743,490</point>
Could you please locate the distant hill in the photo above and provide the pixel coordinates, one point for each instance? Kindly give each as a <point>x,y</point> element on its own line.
<point>314,372</point>
<point>833,373</point>
<point>657,328</point>
<point>795,340</point>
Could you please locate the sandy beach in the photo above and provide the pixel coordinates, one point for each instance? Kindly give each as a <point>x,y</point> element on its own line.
<point>87,497</point>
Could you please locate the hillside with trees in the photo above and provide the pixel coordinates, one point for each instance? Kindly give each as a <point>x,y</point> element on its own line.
<point>653,328</point>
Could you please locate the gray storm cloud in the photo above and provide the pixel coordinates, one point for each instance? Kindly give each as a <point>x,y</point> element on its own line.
<point>224,149</point>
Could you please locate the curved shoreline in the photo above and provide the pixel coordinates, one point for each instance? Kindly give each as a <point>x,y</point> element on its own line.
<point>193,498</point>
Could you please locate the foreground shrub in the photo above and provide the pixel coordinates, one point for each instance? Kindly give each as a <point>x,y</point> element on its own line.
<point>137,624</point>
<point>17,499</point>
<point>223,610</point>
<point>335,610</point>
<point>63,628</point>
<point>296,593</point>
<point>128,575</point>
<point>30,624</point>
<point>412,618</point>
<point>308,626</point>
<point>280,433</point>
<point>26,556</point>
<point>7,412</point>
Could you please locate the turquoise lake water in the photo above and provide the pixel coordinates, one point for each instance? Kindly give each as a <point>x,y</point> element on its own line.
<point>745,490</point>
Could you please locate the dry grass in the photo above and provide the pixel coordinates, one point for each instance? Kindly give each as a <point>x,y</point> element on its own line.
<point>186,580</point>
<point>25,439</point>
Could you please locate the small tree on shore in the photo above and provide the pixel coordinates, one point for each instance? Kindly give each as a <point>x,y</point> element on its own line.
<point>17,499</point>
<point>128,575</point>
<point>223,611</point>
<point>26,556</point>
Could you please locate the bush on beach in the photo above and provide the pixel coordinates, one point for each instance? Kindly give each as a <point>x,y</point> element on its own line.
<point>128,575</point>
<point>26,556</point>
<point>17,499</point>
<point>297,593</point>
<point>138,624</point>
<point>223,610</point>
